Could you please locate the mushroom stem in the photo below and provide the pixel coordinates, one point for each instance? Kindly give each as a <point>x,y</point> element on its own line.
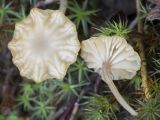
<point>63,5</point>
<point>116,93</point>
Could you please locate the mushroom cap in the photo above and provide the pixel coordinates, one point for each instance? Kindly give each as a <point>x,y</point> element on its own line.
<point>44,45</point>
<point>121,60</point>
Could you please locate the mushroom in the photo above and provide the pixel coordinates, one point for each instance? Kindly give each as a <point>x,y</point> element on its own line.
<point>44,45</point>
<point>114,59</point>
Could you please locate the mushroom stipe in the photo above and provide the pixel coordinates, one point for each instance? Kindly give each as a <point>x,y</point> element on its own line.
<point>116,93</point>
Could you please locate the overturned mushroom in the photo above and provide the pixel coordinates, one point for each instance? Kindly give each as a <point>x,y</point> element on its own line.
<point>114,59</point>
<point>44,45</point>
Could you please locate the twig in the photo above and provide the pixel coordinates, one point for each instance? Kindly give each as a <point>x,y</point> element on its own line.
<point>74,111</point>
<point>144,74</point>
<point>96,86</point>
<point>68,110</point>
<point>58,113</point>
<point>76,105</point>
<point>45,2</point>
<point>63,5</point>
<point>133,24</point>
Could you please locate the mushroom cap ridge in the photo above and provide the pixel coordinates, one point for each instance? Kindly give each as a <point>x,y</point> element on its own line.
<point>44,45</point>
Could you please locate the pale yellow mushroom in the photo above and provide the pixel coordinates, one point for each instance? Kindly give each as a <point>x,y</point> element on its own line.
<point>114,59</point>
<point>44,45</point>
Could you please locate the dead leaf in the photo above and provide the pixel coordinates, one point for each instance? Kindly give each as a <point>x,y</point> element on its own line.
<point>156,2</point>
<point>154,14</point>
